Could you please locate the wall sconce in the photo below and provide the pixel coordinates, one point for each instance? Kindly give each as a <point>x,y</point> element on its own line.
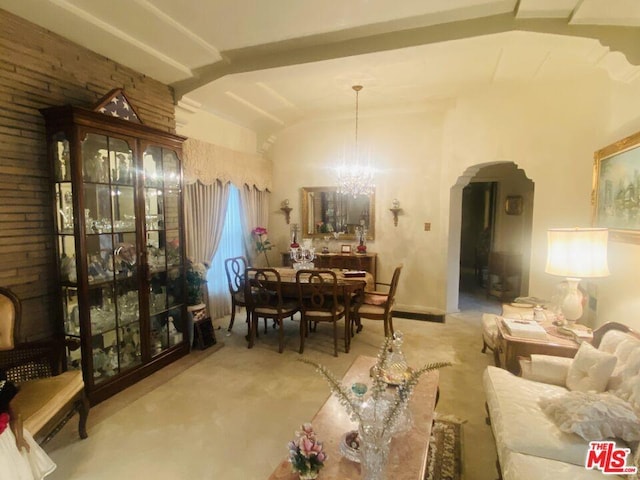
<point>286,209</point>
<point>395,209</point>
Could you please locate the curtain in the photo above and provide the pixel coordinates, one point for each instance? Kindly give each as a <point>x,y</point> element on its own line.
<point>208,163</point>
<point>205,210</point>
<point>231,245</point>
<point>255,210</point>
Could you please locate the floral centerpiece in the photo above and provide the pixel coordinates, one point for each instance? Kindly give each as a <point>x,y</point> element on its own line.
<point>381,415</point>
<point>263,245</point>
<point>306,453</point>
<point>196,278</point>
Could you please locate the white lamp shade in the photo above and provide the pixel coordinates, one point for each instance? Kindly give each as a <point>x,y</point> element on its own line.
<point>577,252</point>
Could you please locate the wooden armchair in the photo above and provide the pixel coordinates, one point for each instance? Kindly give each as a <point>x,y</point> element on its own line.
<point>377,305</point>
<point>47,397</point>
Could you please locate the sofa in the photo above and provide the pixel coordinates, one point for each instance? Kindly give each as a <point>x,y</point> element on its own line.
<point>533,438</point>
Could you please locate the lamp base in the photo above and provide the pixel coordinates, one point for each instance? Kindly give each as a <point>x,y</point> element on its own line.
<point>572,302</point>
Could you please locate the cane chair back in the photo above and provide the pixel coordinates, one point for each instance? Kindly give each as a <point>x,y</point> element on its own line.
<point>47,396</point>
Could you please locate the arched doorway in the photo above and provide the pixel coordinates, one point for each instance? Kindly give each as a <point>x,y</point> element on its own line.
<point>491,215</point>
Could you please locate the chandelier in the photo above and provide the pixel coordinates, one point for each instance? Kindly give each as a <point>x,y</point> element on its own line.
<point>355,177</point>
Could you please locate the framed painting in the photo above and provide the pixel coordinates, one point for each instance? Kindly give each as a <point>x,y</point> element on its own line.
<point>615,197</point>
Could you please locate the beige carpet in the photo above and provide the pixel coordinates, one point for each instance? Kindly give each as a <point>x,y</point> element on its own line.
<point>228,414</point>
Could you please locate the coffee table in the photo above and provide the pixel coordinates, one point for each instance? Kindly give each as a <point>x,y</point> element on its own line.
<point>408,455</point>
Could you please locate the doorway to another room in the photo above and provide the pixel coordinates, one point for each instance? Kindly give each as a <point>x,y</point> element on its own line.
<point>496,216</point>
<point>478,212</point>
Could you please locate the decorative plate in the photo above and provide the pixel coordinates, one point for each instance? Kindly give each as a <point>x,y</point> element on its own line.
<point>395,375</point>
<point>349,444</point>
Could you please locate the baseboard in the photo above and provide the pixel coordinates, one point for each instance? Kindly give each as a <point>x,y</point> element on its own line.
<point>424,316</point>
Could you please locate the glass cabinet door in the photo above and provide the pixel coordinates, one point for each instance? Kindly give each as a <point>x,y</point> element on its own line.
<point>164,251</point>
<point>66,245</point>
<point>111,249</point>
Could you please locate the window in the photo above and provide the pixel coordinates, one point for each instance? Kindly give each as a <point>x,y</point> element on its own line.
<point>231,245</point>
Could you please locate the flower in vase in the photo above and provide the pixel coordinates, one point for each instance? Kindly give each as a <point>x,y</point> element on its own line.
<point>196,278</point>
<point>263,245</point>
<point>306,453</point>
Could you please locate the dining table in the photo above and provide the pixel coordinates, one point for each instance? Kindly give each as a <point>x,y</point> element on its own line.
<point>349,287</point>
<point>408,454</point>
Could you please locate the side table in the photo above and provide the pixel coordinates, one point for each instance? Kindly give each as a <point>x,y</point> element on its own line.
<point>509,347</point>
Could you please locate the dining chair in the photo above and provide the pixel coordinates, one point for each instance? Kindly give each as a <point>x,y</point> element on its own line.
<point>234,268</point>
<point>318,300</point>
<point>377,305</point>
<point>263,298</point>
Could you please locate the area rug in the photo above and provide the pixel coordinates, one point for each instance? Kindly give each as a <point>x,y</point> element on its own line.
<point>444,460</point>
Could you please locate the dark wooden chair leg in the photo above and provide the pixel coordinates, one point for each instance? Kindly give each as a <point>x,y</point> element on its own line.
<point>280,335</point>
<point>252,330</point>
<point>233,314</point>
<point>83,413</point>
<point>303,333</point>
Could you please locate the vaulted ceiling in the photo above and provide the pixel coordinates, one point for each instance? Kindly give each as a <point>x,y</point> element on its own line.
<point>266,64</point>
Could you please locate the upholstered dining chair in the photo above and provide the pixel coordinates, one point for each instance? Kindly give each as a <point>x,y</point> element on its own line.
<point>234,268</point>
<point>377,305</point>
<point>318,300</point>
<point>47,396</point>
<point>263,298</point>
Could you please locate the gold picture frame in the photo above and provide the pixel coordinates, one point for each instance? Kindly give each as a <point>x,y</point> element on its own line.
<point>345,249</point>
<point>616,189</point>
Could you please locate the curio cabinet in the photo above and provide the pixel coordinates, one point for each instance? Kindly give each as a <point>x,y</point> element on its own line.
<point>117,187</point>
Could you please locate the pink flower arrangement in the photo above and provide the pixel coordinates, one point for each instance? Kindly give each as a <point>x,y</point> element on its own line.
<point>306,453</point>
<point>262,244</point>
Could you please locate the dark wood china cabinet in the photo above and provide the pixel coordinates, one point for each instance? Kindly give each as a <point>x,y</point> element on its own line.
<point>117,187</point>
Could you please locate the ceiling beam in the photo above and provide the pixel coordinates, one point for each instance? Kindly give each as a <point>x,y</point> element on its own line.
<point>352,42</point>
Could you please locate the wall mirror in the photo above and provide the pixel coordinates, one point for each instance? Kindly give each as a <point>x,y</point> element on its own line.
<point>325,212</point>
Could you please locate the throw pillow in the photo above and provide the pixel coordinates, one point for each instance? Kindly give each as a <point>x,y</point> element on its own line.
<point>593,416</point>
<point>590,369</point>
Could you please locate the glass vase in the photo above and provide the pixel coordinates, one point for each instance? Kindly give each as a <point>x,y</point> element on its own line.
<point>374,452</point>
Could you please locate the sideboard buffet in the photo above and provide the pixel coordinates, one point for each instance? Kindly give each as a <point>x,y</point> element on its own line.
<point>119,234</point>
<point>350,261</point>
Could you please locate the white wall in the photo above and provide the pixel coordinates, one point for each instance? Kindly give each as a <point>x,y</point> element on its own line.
<point>550,130</point>
<point>210,128</point>
<point>406,152</point>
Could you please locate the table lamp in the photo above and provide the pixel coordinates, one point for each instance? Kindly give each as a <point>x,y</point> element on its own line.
<point>576,253</point>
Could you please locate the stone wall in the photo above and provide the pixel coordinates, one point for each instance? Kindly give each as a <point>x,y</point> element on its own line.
<point>41,69</point>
